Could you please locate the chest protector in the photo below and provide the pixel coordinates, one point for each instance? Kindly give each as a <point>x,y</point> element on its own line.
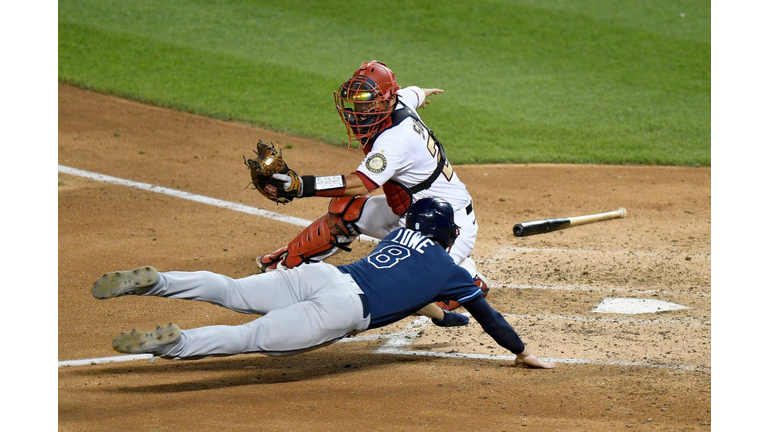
<point>400,197</point>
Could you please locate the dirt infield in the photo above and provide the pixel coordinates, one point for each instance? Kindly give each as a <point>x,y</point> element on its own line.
<point>615,371</point>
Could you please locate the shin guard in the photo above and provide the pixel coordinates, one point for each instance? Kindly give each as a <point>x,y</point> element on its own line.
<point>323,238</point>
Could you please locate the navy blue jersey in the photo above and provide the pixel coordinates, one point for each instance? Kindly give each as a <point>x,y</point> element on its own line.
<point>406,272</point>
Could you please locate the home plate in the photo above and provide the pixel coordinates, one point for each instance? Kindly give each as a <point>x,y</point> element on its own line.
<point>635,306</point>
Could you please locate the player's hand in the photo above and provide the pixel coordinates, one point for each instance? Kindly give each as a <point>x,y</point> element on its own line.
<point>529,359</point>
<point>428,92</point>
<point>289,183</point>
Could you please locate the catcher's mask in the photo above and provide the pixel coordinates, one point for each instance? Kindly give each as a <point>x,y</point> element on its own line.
<point>433,218</point>
<point>366,100</point>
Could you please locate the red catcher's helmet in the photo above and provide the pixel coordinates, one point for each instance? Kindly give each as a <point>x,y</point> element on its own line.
<point>365,101</point>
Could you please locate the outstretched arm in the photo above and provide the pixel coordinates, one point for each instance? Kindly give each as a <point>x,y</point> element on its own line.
<point>427,93</point>
<point>417,96</point>
<point>499,329</point>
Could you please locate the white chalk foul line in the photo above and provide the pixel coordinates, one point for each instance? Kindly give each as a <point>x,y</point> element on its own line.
<point>597,289</point>
<point>194,197</point>
<point>186,195</point>
<point>398,342</point>
<point>134,357</point>
<point>548,359</point>
<point>639,321</point>
<point>103,360</point>
<point>591,251</point>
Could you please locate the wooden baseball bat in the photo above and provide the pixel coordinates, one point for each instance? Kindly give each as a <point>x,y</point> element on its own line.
<point>540,226</point>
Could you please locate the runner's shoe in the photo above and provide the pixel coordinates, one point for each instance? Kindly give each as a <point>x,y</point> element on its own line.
<point>153,342</point>
<point>120,283</point>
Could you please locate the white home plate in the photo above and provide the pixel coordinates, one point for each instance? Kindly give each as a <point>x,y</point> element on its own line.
<point>635,306</point>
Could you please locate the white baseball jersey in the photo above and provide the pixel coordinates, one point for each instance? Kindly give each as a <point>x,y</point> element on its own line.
<point>406,154</point>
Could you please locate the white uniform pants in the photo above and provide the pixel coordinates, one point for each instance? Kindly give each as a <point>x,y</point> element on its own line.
<point>303,309</point>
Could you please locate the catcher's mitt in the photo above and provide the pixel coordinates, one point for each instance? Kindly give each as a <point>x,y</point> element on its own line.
<point>268,162</point>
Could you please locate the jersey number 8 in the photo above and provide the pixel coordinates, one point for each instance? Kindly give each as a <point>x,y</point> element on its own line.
<point>389,257</point>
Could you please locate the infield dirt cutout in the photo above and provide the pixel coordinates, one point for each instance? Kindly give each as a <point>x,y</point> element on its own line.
<point>645,371</point>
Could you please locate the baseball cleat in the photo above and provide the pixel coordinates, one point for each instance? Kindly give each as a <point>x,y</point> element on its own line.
<point>481,283</point>
<point>153,342</point>
<point>120,283</point>
<point>272,261</point>
<point>451,319</point>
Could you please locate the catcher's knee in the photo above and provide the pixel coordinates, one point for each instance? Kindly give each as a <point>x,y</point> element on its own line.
<point>469,265</point>
<point>343,214</point>
<point>332,231</point>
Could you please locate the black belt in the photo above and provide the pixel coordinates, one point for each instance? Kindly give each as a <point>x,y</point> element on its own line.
<point>469,208</point>
<point>366,312</point>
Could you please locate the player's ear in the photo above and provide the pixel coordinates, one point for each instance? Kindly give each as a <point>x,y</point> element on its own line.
<point>392,101</point>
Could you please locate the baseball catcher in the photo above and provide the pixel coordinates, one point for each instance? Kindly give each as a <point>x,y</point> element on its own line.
<point>402,157</point>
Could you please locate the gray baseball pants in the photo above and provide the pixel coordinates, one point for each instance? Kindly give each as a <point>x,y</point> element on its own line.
<point>303,309</point>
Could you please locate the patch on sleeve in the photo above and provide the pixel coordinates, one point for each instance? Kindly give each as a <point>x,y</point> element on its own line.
<point>376,163</point>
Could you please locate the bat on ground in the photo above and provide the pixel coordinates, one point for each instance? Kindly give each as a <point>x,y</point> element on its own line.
<point>541,226</point>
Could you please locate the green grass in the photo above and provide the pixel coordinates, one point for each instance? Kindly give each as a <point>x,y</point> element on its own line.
<point>592,81</point>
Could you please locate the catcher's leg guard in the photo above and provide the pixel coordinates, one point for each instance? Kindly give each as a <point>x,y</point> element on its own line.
<point>322,239</point>
<point>469,264</point>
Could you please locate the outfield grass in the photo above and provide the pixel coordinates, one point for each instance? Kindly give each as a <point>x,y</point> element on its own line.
<point>591,81</point>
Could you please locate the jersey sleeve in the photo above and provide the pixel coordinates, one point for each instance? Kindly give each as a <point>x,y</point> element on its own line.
<point>494,324</point>
<point>388,157</point>
<point>412,96</point>
<point>460,286</point>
